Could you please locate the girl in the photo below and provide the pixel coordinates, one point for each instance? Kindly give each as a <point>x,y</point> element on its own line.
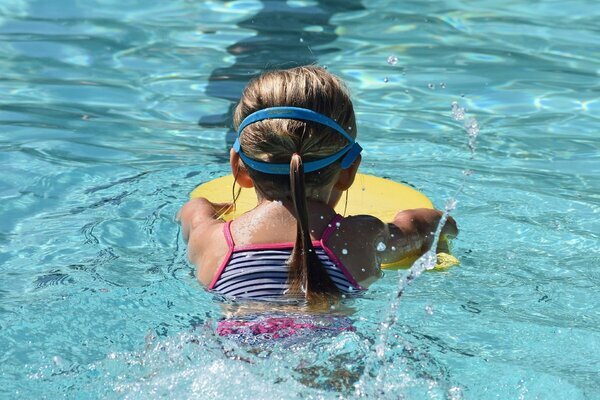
<point>296,147</point>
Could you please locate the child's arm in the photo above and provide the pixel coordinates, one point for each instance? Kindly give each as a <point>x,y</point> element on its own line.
<point>199,214</point>
<point>412,232</point>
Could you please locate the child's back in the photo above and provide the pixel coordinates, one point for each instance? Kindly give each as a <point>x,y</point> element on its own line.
<point>296,147</point>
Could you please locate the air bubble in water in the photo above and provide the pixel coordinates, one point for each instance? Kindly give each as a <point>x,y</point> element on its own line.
<point>468,172</point>
<point>429,309</point>
<point>386,80</point>
<point>301,40</point>
<point>431,86</point>
<point>344,251</point>
<point>381,246</point>
<point>392,60</point>
<point>337,225</point>
<point>442,85</point>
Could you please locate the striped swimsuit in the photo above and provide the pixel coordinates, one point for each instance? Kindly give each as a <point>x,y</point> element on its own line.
<point>261,271</point>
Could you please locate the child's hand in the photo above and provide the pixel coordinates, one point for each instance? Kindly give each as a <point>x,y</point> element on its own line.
<point>421,224</point>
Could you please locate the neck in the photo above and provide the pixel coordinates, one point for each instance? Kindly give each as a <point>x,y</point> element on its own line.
<point>328,196</point>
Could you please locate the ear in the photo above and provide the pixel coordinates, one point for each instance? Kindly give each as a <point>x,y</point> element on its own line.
<point>346,177</point>
<point>241,174</point>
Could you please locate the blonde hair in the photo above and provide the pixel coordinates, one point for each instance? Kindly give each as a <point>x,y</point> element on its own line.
<point>295,141</point>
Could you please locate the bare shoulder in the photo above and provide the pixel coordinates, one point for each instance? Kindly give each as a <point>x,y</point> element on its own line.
<point>200,226</point>
<point>200,214</point>
<point>366,225</point>
<point>354,242</point>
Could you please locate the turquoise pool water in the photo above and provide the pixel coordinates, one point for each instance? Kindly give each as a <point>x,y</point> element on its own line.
<point>112,111</point>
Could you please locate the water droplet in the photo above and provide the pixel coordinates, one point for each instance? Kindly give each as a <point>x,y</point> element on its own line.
<point>381,246</point>
<point>455,393</point>
<point>380,350</point>
<point>386,80</point>
<point>58,361</point>
<point>458,113</point>
<point>450,204</point>
<point>431,86</point>
<point>344,251</point>
<point>392,60</point>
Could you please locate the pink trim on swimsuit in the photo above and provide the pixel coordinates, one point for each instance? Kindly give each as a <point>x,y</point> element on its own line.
<point>324,237</point>
<point>231,246</point>
<point>275,246</point>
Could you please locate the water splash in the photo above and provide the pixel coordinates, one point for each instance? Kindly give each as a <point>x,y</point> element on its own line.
<point>376,364</point>
<point>472,127</point>
<point>458,112</point>
<point>470,124</point>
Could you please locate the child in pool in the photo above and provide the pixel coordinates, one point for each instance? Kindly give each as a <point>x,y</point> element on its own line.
<point>296,147</point>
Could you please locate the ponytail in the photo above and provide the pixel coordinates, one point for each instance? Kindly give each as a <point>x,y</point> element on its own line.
<point>307,276</point>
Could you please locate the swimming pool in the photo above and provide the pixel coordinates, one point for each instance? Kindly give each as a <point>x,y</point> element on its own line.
<point>111,112</point>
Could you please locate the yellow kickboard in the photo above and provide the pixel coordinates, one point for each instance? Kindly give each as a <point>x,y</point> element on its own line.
<point>369,195</point>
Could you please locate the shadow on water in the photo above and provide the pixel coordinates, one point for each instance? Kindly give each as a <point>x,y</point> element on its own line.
<point>287,35</point>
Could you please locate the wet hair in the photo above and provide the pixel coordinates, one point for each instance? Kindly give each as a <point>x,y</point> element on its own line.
<point>294,142</point>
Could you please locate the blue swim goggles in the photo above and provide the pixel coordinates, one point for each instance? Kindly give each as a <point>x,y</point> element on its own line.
<point>349,152</point>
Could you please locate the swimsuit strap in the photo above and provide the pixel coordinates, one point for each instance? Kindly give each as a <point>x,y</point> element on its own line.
<point>331,227</point>
<point>230,245</point>
<point>227,234</point>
